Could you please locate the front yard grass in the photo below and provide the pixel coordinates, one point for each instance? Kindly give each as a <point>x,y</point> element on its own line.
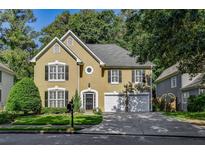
<point>44,128</point>
<point>197,118</point>
<point>58,119</point>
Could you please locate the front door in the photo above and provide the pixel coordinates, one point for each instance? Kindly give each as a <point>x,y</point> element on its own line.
<point>89,101</point>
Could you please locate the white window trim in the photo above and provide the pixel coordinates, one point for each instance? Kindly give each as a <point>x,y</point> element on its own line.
<point>136,76</point>
<point>90,90</point>
<point>55,89</point>
<point>201,91</point>
<point>54,47</point>
<point>91,70</point>
<point>71,41</point>
<point>173,78</point>
<point>115,82</point>
<point>188,95</point>
<point>1,97</point>
<point>56,63</point>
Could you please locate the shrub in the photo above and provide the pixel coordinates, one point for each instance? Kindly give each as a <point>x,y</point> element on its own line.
<point>97,111</point>
<point>6,117</point>
<point>76,102</point>
<point>24,96</point>
<point>196,103</point>
<point>49,110</point>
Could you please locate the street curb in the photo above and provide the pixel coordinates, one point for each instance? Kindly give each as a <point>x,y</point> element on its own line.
<point>151,135</point>
<point>113,134</point>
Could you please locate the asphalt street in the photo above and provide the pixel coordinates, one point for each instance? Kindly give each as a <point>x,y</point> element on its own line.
<point>94,139</point>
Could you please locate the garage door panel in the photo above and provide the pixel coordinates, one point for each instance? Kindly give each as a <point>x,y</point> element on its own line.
<point>114,103</point>
<point>137,103</point>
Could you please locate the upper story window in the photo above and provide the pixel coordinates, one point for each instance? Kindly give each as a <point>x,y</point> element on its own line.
<point>201,91</point>
<point>115,76</point>
<point>139,76</point>
<point>56,71</point>
<point>56,48</point>
<point>69,41</point>
<point>89,69</point>
<point>174,82</point>
<point>185,97</point>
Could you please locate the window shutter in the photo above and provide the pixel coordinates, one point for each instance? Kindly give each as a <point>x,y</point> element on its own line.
<point>0,76</point>
<point>133,76</point>
<point>109,76</point>
<point>46,98</point>
<point>120,76</point>
<point>143,75</point>
<point>46,72</point>
<point>0,95</point>
<point>66,72</point>
<point>148,79</point>
<point>66,98</point>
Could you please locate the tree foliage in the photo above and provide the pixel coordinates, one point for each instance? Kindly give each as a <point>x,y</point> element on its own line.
<point>89,25</point>
<point>24,96</point>
<point>15,31</point>
<point>76,102</point>
<point>18,61</point>
<point>168,36</point>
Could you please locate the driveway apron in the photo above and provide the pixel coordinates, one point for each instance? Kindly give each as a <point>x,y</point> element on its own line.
<point>149,123</point>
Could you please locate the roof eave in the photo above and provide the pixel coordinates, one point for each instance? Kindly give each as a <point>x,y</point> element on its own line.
<point>34,59</point>
<point>83,44</point>
<point>166,77</point>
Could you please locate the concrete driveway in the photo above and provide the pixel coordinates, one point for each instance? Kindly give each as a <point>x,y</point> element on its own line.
<point>150,123</point>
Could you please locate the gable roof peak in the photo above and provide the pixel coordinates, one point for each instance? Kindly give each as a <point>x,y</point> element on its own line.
<point>83,45</point>
<point>56,39</point>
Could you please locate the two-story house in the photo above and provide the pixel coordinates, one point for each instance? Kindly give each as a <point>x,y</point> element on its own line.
<point>181,85</point>
<point>6,82</point>
<point>97,71</point>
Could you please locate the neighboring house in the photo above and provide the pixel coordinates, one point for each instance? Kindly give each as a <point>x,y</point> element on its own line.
<point>97,71</point>
<point>181,85</point>
<point>6,82</point>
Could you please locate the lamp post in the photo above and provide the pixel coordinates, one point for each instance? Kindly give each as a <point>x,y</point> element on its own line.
<point>70,110</point>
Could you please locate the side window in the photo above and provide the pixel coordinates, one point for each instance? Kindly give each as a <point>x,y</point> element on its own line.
<point>56,48</point>
<point>0,95</point>
<point>69,41</point>
<point>185,97</point>
<point>0,76</point>
<point>139,75</point>
<point>174,82</point>
<point>114,76</point>
<point>201,91</point>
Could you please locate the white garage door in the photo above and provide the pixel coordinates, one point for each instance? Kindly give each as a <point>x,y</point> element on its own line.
<point>137,102</point>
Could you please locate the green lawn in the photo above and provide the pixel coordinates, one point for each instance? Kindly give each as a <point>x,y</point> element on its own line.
<point>58,119</point>
<point>187,115</point>
<point>45,128</point>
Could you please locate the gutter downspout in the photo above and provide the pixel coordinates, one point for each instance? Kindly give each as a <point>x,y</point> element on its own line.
<point>151,89</point>
<point>78,84</point>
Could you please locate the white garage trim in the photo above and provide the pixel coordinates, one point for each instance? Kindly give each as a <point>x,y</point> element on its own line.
<point>114,102</point>
<point>90,90</point>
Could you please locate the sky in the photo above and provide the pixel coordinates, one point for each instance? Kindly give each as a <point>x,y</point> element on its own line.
<point>46,17</point>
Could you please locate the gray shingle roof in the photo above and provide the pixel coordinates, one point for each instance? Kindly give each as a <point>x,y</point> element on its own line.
<point>113,55</point>
<point>168,72</point>
<point>195,83</point>
<point>5,68</point>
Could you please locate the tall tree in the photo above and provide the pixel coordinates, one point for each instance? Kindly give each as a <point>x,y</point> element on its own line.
<point>15,31</point>
<point>169,36</point>
<point>91,26</point>
<point>18,61</point>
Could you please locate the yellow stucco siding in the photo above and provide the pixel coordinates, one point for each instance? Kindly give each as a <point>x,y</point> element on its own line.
<point>39,72</point>
<point>98,80</point>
